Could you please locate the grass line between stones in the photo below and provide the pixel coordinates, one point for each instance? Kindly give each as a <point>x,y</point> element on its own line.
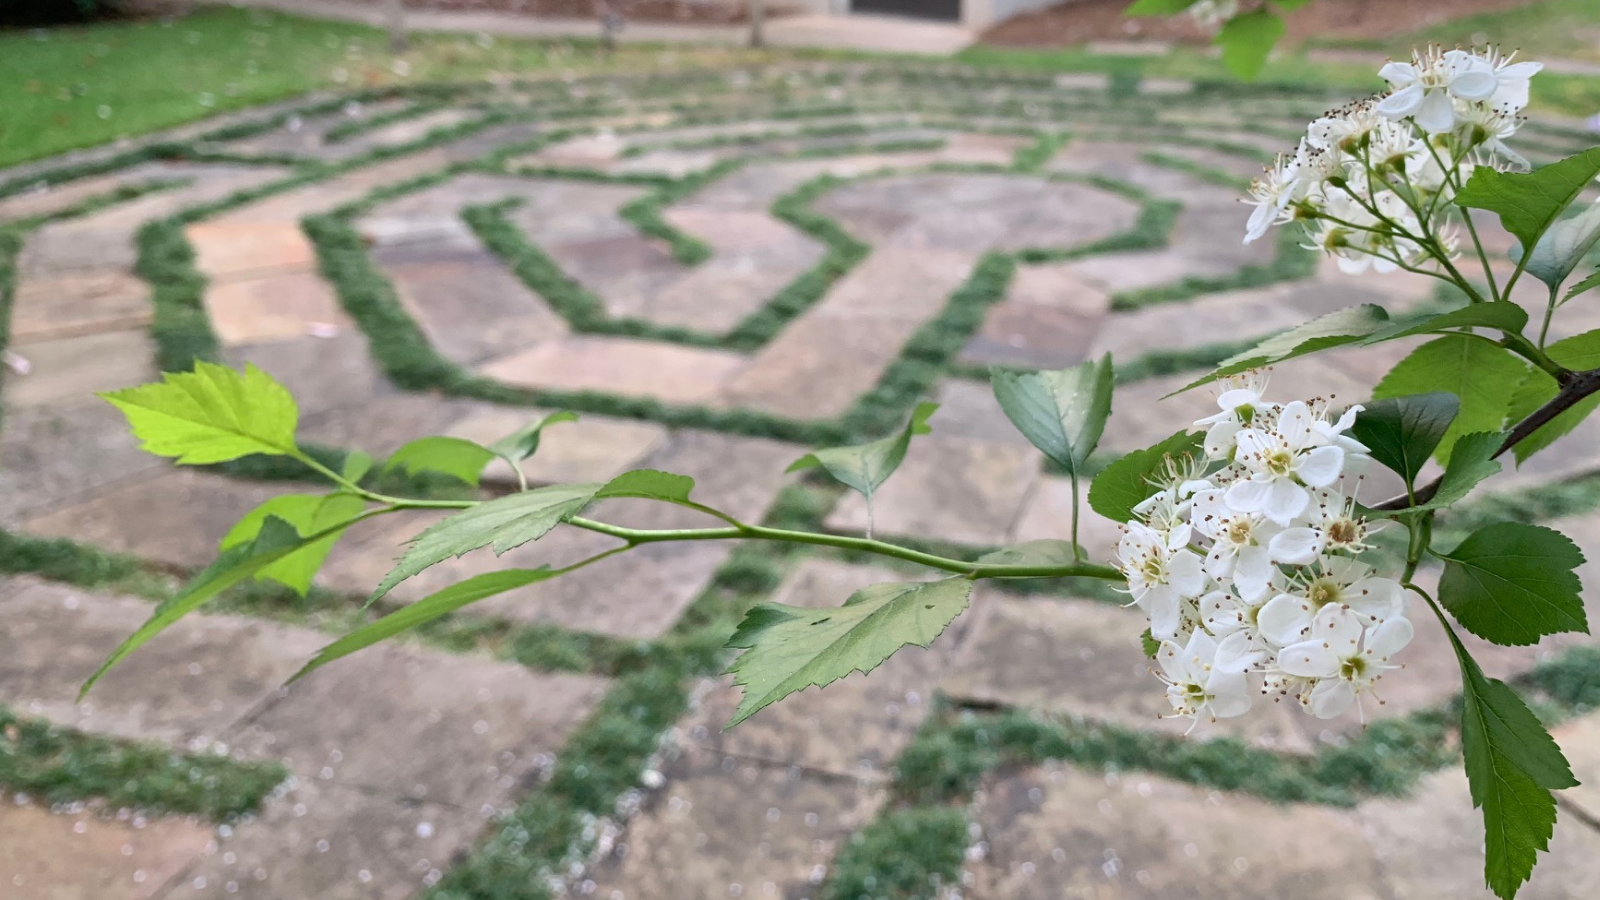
<point>57,765</point>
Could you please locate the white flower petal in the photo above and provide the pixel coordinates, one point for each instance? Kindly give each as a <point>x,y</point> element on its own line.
<point>1161,603</point>
<point>1402,102</point>
<point>1252,574</point>
<point>1330,699</point>
<point>1400,74</point>
<point>1389,638</point>
<point>1168,658</point>
<point>1285,619</point>
<point>1308,659</point>
<point>1285,500</point>
<point>1230,694</point>
<point>1294,424</point>
<point>1437,112</point>
<point>1321,467</point>
<point>1338,628</point>
<point>1238,653</point>
<point>1295,546</point>
<point>1185,574</point>
<point>1248,496</point>
<point>1377,598</point>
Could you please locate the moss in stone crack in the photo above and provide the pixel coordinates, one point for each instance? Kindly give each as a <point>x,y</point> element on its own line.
<point>905,854</point>
<point>958,749</point>
<point>55,765</point>
<point>645,213</point>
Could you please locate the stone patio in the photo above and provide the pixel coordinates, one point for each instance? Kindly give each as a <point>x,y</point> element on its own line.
<point>404,757</point>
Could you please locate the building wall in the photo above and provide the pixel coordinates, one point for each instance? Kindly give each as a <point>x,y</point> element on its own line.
<point>983,13</point>
<point>975,14</point>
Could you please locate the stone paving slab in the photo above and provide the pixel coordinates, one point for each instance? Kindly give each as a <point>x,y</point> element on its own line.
<point>197,509</point>
<point>1430,844</point>
<point>77,304</point>
<point>1050,319</point>
<point>322,372</point>
<point>187,686</point>
<point>951,489</point>
<point>591,449</point>
<point>721,827</point>
<point>71,368</point>
<point>965,212</point>
<point>469,306</point>
<point>472,729</point>
<point>82,856</point>
<point>837,349</point>
<point>1056,832</point>
<point>618,365</point>
<point>62,452</point>
<point>853,728</point>
<point>332,842</point>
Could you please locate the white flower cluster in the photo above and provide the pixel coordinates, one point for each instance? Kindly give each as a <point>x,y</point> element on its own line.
<point>1371,181</point>
<point>1248,563</point>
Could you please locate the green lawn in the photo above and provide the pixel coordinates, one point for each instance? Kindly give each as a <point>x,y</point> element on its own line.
<point>1566,29</point>
<point>74,87</point>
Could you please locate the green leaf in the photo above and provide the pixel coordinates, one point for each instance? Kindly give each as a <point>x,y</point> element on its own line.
<point>276,540</point>
<point>1061,412</point>
<point>1500,315</point>
<point>1335,329</point>
<point>1149,644</point>
<point>1529,203</point>
<point>426,610</point>
<point>1563,247</point>
<point>522,443</point>
<point>309,514</point>
<point>1513,583</point>
<point>1126,483</point>
<point>1246,41</point>
<point>459,458</point>
<point>791,648</point>
<point>648,484</point>
<point>1471,461</point>
<point>210,415</point>
<point>1584,286</point>
<point>1158,7</point>
<point>356,466</point>
<point>1033,553</point>
<point>503,524</point>
<point>1512,765</point>
<point>1402,432</point>
<point>868,466</point>
<point>1482,374</point>
<point>1578,352</point>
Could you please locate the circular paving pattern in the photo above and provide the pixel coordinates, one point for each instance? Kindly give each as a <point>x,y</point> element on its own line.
<point>718,270</point>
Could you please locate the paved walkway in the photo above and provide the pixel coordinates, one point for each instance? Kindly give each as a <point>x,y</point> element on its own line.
<point>861,235</point>
<point>877,34</point>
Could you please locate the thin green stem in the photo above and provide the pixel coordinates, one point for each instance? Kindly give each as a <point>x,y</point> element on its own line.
<point>1549,312</point>
<point>1077,550</point>
<point>845,542</point>
<point>373,496</point>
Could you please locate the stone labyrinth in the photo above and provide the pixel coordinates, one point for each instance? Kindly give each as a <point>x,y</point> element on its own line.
<point>718,270</point>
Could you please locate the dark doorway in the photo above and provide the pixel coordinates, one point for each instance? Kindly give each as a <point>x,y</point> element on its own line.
<point>945,10</point>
